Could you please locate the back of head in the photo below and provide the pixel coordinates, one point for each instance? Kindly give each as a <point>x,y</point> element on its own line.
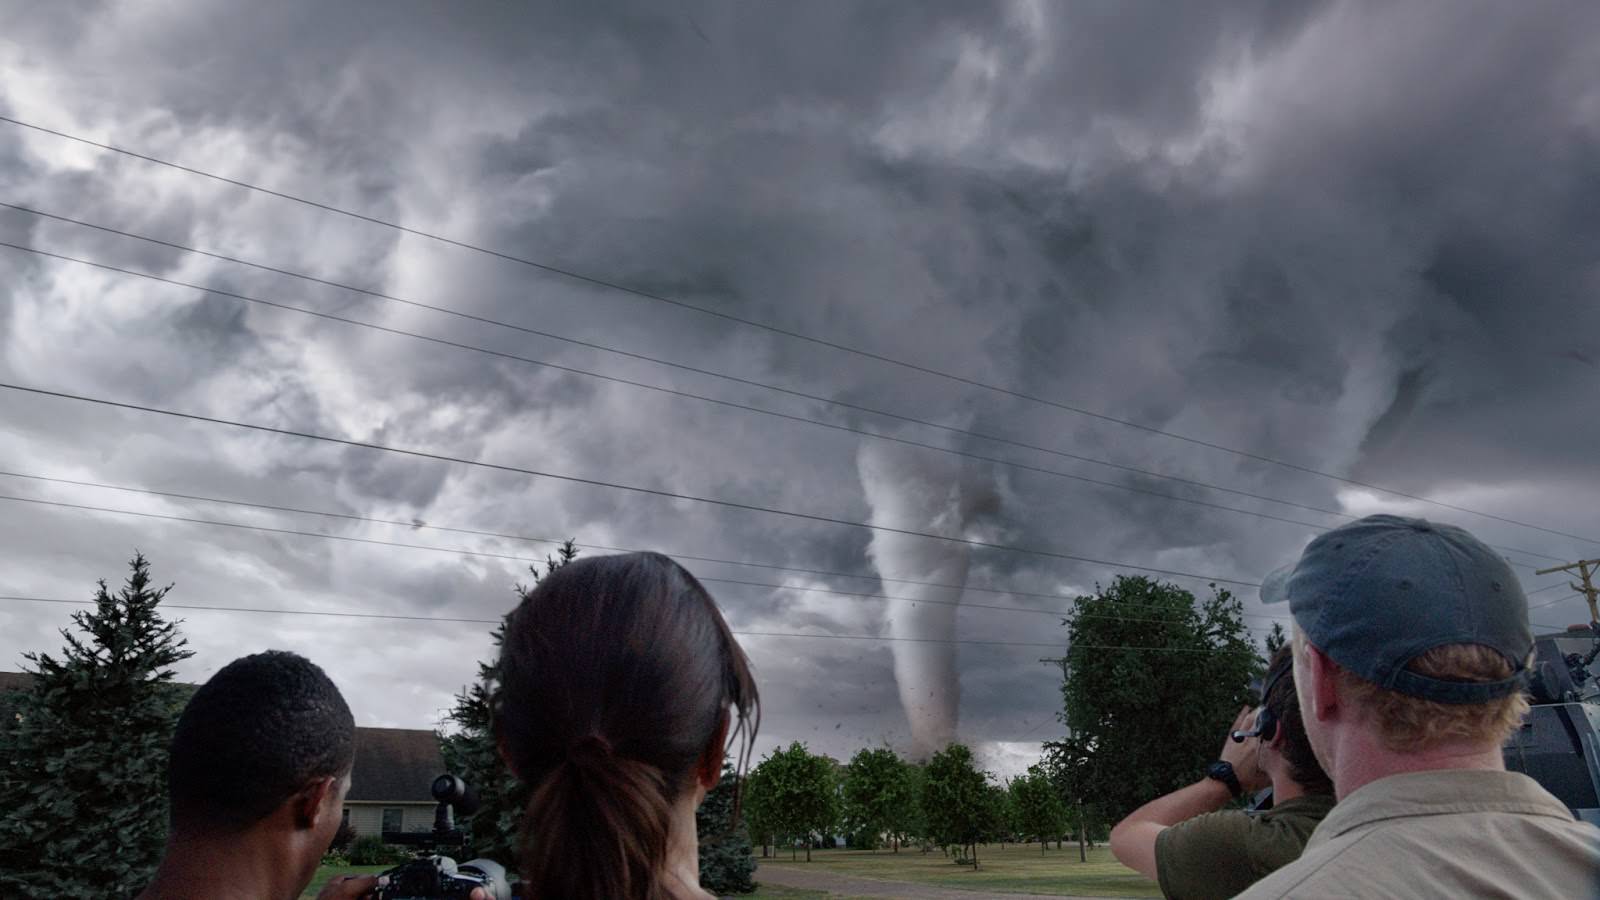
<point>1427,624</point>
<point>1409,724</point>
<point>1283,701</point>
<point>259,731</point>
<point>616,678</point>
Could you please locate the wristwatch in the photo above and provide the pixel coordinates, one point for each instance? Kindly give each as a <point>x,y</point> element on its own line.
<point>1223,772</point>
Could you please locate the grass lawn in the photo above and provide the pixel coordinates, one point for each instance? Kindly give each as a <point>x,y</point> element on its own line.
<point>1017,868</point>
<point>770,892</point>
<point>324,873</point>
<point>775,892</point>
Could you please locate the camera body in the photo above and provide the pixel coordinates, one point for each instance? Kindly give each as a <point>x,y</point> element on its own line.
<point>433,876</point>
<point>440,877</point>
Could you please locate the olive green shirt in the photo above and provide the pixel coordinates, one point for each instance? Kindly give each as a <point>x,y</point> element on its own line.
<point>1450,833</point>
<point>1219,854</point>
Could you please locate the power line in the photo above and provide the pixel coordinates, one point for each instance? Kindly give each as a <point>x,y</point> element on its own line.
<point>867,354</point>
<point>359,615</point>
<point>637,489</point>
<point>415,524</point>
<point>713,400</point>
<point>782,634</point>
<point>287,307</point>
<point>1057,613</point>
<point>418,524</point>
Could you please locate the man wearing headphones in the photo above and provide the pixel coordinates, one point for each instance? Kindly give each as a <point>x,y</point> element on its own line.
<point>1195,849</point>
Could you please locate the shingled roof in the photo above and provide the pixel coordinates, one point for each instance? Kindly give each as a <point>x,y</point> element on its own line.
<point>395,765</point>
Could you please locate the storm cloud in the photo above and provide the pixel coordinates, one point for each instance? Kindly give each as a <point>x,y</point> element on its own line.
<point>1361,240</point>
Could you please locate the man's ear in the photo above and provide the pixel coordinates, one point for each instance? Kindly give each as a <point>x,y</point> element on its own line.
<point>709,770</point>
<point>1278,737</point>
<point>1322,684</point>
<point>314,801</point>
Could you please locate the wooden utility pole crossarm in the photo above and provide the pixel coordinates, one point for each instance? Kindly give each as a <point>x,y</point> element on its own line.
<point>1587,569</point>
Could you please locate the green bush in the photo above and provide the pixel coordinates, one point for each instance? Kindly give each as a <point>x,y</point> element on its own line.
<point>370,850</point>
<point>342,838</point>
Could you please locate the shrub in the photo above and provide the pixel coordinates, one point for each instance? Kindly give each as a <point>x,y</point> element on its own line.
<point>342,838</point>
<point>370,850</point>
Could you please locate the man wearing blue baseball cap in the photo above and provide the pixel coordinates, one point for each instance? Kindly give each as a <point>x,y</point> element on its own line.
<point>1411,641</point>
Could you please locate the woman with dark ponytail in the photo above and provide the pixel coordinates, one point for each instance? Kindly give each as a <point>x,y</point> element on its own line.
<point>621,689</point>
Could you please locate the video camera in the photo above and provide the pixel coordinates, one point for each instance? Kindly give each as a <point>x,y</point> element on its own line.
<point>432,876</point>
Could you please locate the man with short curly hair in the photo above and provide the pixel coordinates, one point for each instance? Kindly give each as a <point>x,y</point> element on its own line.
<point>259,769</point>
<point>1411,642</point>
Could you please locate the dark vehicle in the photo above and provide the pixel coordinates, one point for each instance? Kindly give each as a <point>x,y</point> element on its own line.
<point>1558,744</point>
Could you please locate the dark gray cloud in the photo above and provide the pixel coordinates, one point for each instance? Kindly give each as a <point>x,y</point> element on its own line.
<point>1358,239</point>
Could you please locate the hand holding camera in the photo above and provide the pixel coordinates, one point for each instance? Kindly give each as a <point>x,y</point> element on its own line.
<point>1241,750</point>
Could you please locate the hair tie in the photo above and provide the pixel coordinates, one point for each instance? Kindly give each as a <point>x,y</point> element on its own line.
<point>591,747</point>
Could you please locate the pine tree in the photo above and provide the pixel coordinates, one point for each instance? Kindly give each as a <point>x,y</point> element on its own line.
<point>727,861</point>
<point>85,755</point>
<point>470,750</point>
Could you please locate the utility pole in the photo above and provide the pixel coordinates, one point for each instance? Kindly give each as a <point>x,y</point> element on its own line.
<point>1587,569</point>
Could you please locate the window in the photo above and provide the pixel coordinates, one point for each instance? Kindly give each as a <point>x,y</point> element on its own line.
<point>393,819</point>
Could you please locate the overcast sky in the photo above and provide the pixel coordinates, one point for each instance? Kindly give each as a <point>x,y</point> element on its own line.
<point>1360,240</point>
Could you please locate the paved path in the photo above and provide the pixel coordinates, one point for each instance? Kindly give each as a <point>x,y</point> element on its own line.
<point>852,886</point>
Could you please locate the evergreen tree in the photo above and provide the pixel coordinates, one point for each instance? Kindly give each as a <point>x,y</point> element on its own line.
<point>726,860</point>
<point>470,750</point>
<point>1277,638</point>
<point>85,778</point>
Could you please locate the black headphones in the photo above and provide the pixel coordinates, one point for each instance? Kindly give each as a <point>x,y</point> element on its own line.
<point>1266,720</point>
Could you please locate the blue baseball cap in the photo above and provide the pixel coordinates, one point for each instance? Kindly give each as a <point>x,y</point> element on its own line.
<point>1379,592</point>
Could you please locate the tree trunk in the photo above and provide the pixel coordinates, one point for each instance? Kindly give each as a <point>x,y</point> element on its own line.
<point>808,851</point>
<point>1083,855</point>
<point>974,857</point>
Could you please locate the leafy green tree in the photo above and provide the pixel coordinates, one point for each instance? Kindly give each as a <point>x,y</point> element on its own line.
<point>877,794</point>
<point>470,750</point>
<point>908,821</point>
<point>960,808</point>
<point>85,753</point>
<point>795,795</point>
<point>1037,805</point>
<point>757,812</point>
<point>1003,815</point>
<point>1151,680</point>
<point>726,862</point>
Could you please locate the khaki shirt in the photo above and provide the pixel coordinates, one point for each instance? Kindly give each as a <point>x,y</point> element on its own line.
<point>1217,855</point>
<point>1451,833</point>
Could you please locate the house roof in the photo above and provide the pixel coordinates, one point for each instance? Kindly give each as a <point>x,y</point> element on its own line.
<point>393,765</point>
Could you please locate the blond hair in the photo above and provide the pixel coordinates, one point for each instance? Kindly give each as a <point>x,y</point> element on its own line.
<point>1408,724</point>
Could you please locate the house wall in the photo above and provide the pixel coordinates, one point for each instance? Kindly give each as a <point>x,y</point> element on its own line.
<point>367,818</point>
